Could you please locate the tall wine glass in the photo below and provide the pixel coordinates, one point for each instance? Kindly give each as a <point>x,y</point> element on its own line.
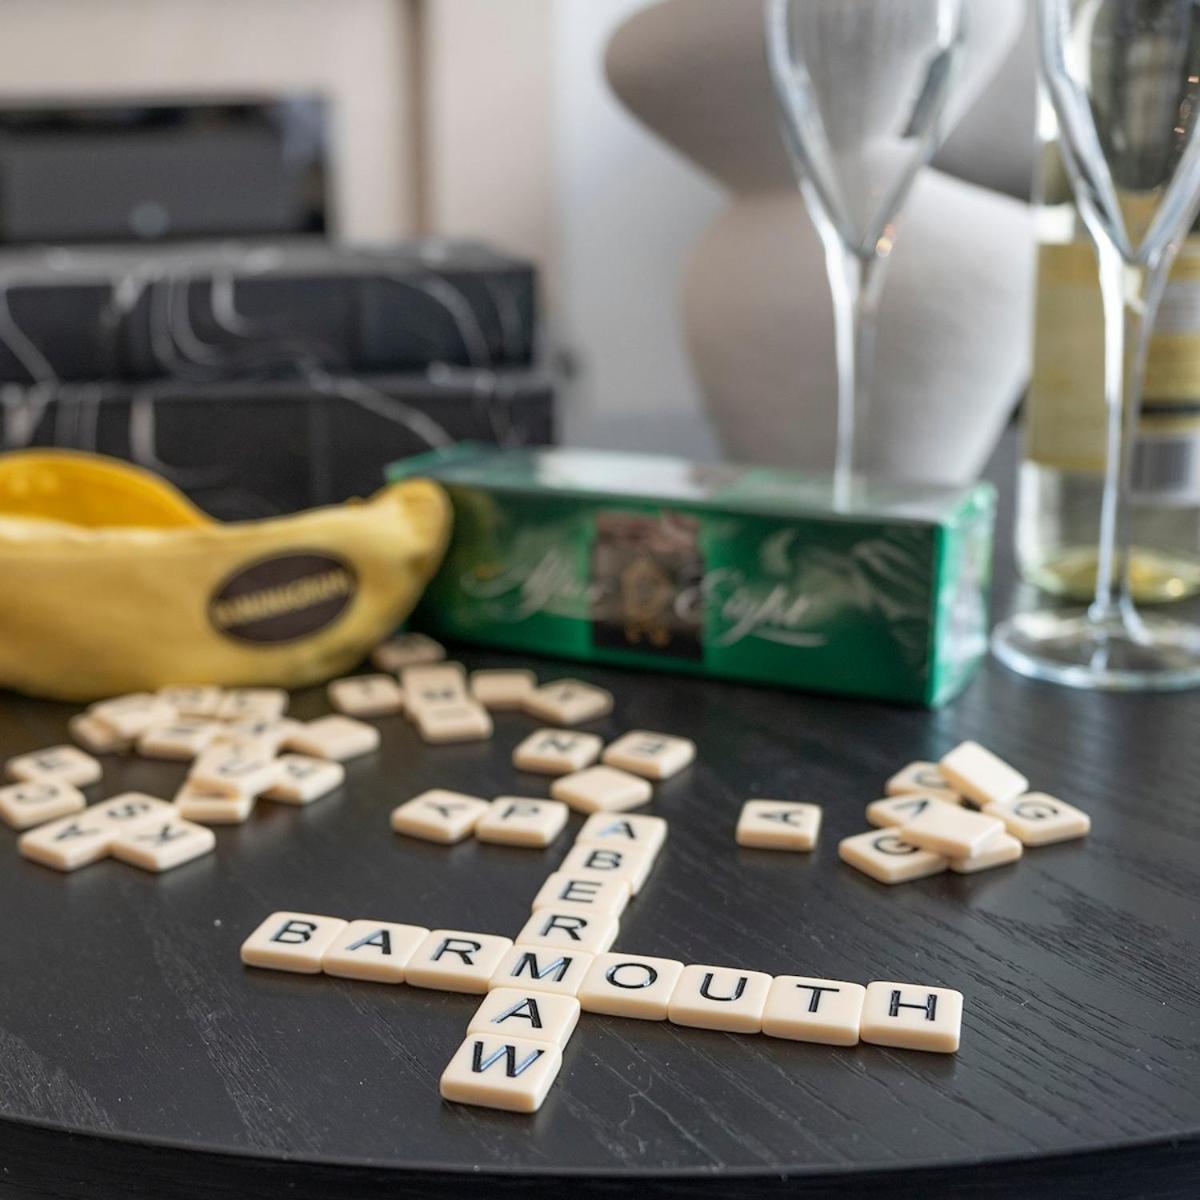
<point>1124,79</point>
<point>862,87</point>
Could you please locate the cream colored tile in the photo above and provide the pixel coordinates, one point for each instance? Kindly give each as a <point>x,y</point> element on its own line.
<point>912,1017</point>
<point>440,724</point>
<point>235,769</point>
<point>130,716</point>
<point>535,1016</point>
<point>602,789</point>
<point>245,704</point>
<point>92,734</point>
<point>603,862</point>
<point>366,696</point>
<point>950,831</point>
<point>375,950</point>
<point>439,816</point>
<point>893,811</point>
<point>436,685</point>
<point>502,689</point>
<point>126,808</point>
<point>506,1073</point>
<point>594,933</point>
<point>162,843</point>
<point>778,825</point>
<point>213,806</point>
<point>980,776</point>
<point>181,740</point>
<point>886,857</point>
<point>630,985</point>
<point>720,998</point>
<point>69,843</point>
<point>583,894</point>
<point>337,737</point>
<point>651,755</point>
<point>301,780</point>
<point>522,821</point>
<point>624,829</point>
<point>37,801</point>
<point>923,777</point>
<point>1037,819</point>
<point>56,764</point>
<point>291,941</point>
<point>193,701</point>
<point>542,969</point>
<point>557,751</point>
<point>406,650</point>
<point>259,735</point>
<point>568,702</point>
<point>995,852</point>
<point>450,960</point>
<point>814,1010</point>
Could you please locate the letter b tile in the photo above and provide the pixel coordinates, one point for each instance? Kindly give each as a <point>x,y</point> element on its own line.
<point>291,941</point>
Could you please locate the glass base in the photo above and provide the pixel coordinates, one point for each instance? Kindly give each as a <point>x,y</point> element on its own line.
<point>1140,654</point>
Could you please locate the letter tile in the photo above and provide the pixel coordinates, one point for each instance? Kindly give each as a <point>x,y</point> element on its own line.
<point>923,777</point>
<point>995,852</point>
<point>623,829</point>
<point>406,650</point>
<point>630,985</point>
<point>440,724</point>
<point>70,842</point>
<point>366,696</point>
<point>951,831</point>
<point>893,811</point>
<point>651,755</point>
<point>512,1074</point>
<point>886,857</point>
<point>301,780</point>
<point>557,751</point>
<point>569,930</point>
<point>337,737</point>
<point>23,805</point>
<point>778,825</point>
<point>449,960</point>
<point>375,950</point>
<point>206,805</point>
<point>507,689</point>
<point>55,764</point>
<point>814,1010</point>
<point>291,941</point>
<point>1037,819</point>
<point>244,704</point>
<point>439,816</point>
<point>162,843</point>
<point>197,702</point>
<point>260,735</point>
<point>437,685</point>
<point>522,821</point>
<point>535,1016</point>
<point>235,769</point>
<point>541,969</point>
<point>720,998</point>
<point>92,734</point>
<point>912,1016</point>
<point>980,776</point>
<point>603,862</point>
<point>181,740</point>
<point>568,702</point>
<point>130,716</point>
<point>583,894</point>
<point>602,789</point>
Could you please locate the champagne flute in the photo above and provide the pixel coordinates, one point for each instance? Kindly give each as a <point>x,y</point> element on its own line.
<point>1124,79</point>
<point>861,87</point>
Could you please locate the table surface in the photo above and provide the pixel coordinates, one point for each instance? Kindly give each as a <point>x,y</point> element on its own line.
<point>138,1057</point>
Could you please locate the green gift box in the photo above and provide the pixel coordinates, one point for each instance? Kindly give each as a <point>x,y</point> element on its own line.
<point>745,573</point>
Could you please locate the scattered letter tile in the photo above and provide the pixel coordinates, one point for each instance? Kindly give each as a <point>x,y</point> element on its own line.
<point>432,686</point>
<point>900,809</point>
<point>886,857</point>
<point>182,739</point>
<point>68,843</point>
<point>125,808</point>
<point>575,893</point>
<point>1038,820</point>
<point>406,650</point>
<point>207,805</point>
<point>56,764</point>
<point>912,1017</point>
<point>240,704</point>
<point>950,831</point>
<point>38,801</point>
<point>602,862</point>
<point>440,724</point>
<point>260,735</point>
<point>594,933</point>
<point>449,960</point>
<point>502,689</point>
<point>602,789</point>
<point>507,1073</point>
<point>291,941</point>
<point>542,969</point>
<point>130,716</point>
<point>193,701</point>
<point>557,751</point>
<point>814,1010</point>
<point>980,776</point>
<point>376,950</point>
<point>720,998</point>
<point>236,770</point>
<point>568,702</point>
<point>624,829</point>
<point>92,734</point>
<point>335,737</point>
<point>161,844</point>
<point>920,777</point>
<point>652,755</point>
<point>535,1016</point>
<point>522,821</point>
<point>995,852</point>
<point>630,985</point>
<point>778,825</point>
<point>366,695</point>
<point>301,780</point>
<point>439,816</point>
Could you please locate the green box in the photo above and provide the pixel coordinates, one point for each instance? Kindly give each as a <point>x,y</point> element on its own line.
<point>738,572</point>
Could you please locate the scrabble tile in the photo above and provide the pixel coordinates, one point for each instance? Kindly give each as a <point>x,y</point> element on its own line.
<point>235,769</point>
<point>406,650</point>
<point>886,857</point>
<point>162,843</point>
<point>814,1010</point>
<point>266,735</point>
<point>338,737</point>
<point>912,1017</point>
<point>193,701</point>
<point>542,969</point>
<point>439,816</point>
<point>375,950</point>
<point>778,825</point>
<point>130,716</point>
<point>507,689</point>
<point>58,764</point>
<point>441,724</point>
<point>126,808</point>
<point>630,985</point>
<point>900,809</point>
<point>557,751</point>
<point>562,930</point>
<point>301,780</point>
<point>69,843</point>
<point>512,1074</point>
<point>37,801</point>
<point>998,850</point>
<point>602,862</point>
<point>366,696</point>
<point>950,831</point>
<point>980,776</point>
<point>182,739</point>
<point>719,998</point>
<point>921,777</point>
<point>522,821</point>
<point>575,893</point>
<point>602,789</point>
<point>92,734</point>
<point>435,685</point>
<point>652,755</point>
<point>450,960</point>
<point>206,805</point>
<point>264,704</point>
<point>1036,819</point>
<point>535,1016</point>
<point>568,702</point>
<point>291,941</point>
<point>623,829</point>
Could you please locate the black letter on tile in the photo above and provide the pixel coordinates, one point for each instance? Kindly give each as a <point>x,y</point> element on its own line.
<point>647,980</point>
<point>294,933</point>
<point>380,938</point>
<point>929,1007</point>
<point>460,946</point>
<point>707,984</point>
<point>509,1053</point>
<point>527,1009</point>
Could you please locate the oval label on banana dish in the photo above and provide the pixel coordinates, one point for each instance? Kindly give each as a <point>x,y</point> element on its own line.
<point>283,598</point>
